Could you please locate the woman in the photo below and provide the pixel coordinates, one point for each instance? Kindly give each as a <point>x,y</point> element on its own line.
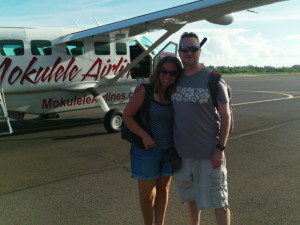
<point>148,165</point>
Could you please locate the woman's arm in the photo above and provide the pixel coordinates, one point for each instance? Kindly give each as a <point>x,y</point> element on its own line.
<point>131,109</point>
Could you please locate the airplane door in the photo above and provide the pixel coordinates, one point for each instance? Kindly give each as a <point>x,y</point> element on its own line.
<point>142,69</point>
<point>145,67</point>
<point>169,50</point>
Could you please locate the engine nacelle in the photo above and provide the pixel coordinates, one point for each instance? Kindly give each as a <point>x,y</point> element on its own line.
<point>221,20</point>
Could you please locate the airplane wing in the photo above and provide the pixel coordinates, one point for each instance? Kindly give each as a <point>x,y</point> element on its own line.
<point>172,19</point>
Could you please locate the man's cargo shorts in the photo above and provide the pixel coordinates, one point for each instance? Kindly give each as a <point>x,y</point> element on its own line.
<point>198,181</point>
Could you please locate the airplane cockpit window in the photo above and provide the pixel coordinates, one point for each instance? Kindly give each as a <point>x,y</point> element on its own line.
<point>102,48</point>
<point>41,47</point>
<point>75,48</point>
<point>147,43</point>
<point>11,47</point>
<point>121,48</point>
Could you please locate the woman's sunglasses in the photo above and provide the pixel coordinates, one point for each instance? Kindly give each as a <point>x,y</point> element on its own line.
<point>173,73</point>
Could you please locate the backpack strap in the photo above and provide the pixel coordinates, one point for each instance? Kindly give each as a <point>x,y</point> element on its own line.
<point>149,90</point>
<point>213,83</point>
<point>148,96</point>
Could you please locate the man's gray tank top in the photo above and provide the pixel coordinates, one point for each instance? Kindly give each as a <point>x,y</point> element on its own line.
<point>196,121</point>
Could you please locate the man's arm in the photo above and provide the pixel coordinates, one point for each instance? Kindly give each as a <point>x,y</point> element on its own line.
<point>224,111</point>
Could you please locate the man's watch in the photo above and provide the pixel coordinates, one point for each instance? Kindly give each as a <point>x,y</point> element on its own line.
<point>221,147</point>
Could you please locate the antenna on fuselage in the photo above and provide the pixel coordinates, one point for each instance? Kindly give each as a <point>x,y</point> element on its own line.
<point>76,23</point>
<point>252,11</point>
<point>97,22</point>
<point>203,42</point>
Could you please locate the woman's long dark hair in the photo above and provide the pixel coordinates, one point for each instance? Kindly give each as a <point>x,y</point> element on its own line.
<point>154,78</point>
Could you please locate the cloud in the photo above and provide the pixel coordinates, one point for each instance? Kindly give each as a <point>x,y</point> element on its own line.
<point>248,49</point>
<point>243,46</point>
<point>268,38</point>
<point>293,37</point>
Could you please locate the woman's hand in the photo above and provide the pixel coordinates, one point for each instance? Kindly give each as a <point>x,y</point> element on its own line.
<point>148,142</point>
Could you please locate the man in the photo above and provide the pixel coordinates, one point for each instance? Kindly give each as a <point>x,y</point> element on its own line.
<point>200,136</point>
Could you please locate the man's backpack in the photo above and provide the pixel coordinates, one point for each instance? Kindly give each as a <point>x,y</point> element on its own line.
<point>143,119</point>
<point>213,83</point>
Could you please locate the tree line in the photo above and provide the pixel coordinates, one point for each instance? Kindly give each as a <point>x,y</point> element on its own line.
<point>255,69</point>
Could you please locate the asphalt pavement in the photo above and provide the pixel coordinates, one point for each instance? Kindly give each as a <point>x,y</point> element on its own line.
<point>71,171</point>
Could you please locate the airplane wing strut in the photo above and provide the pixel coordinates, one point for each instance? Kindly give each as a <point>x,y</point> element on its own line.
<point>169,32</point>
<point>4,114</point>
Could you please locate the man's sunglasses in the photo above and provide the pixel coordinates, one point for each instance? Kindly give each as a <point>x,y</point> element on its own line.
<point>173,73</point>
<point>186,49</point>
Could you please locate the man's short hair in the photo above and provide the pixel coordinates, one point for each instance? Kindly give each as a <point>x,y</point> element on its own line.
<point>189,35</point>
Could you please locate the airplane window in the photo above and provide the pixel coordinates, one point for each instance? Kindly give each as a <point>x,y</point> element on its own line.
<point>147,43</point>
<point>75,48</point>
<point>170,49</point>
<point>41,47</point>
<point>102,48</point>
<point>11,47</point>
<point>121,48</point>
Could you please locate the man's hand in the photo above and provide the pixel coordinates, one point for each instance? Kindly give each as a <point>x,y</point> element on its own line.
<point>138,87</point>
<point>217,158</point>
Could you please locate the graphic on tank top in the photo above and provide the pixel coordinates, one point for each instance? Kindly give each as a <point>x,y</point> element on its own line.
<point>190,94</point>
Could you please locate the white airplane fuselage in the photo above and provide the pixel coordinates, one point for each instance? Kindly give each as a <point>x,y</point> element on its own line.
<point>39,84</point>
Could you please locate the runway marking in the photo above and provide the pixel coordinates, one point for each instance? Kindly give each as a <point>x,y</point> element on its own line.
<point>262,130</point>
<point>289,96</point>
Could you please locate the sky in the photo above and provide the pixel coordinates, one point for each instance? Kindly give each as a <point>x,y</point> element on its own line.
<point>270,37</point>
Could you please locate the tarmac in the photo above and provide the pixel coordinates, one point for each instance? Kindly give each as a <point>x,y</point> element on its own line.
<point>71,171</point>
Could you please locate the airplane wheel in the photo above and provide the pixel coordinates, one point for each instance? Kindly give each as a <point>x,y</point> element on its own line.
<point>113,120</point>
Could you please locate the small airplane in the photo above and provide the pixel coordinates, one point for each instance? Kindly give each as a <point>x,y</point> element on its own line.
<point>47,71</point>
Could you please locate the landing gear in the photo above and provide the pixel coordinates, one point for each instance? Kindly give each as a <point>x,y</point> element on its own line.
<point>113,120</point>
<point>113,117</point>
